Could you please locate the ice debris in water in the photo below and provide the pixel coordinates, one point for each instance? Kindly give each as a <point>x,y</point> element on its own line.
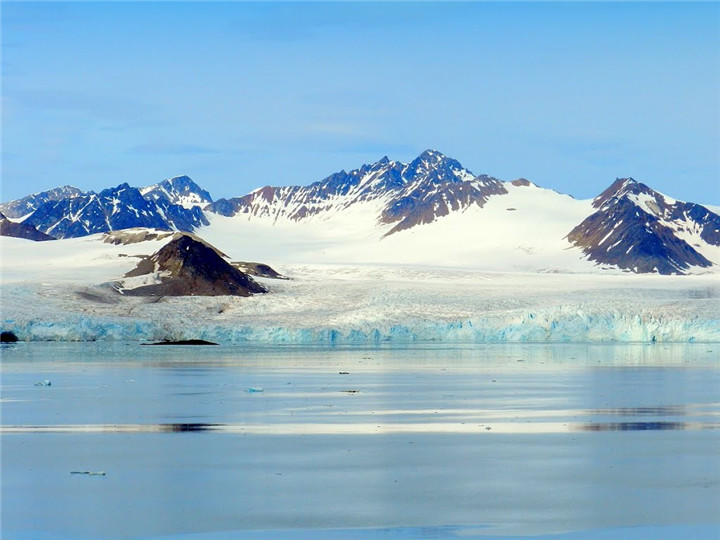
<point>255,389</point>
<point>46,382</point>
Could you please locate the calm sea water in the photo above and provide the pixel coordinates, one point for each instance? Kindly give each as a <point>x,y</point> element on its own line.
<point>421,441</point>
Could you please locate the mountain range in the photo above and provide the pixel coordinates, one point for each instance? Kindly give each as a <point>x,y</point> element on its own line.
<point>628,226</point>
<point>68,212</point>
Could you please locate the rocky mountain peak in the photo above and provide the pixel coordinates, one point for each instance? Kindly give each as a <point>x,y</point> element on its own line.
<point>181,190</point>
<point>436,168</point>
<point>639,229</point>
<point>619,188</point>
<point>22,207</point>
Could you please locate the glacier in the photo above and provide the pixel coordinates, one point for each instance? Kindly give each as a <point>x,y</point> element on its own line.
<point>350,305</point>
<point>60,292</point>
<point>577,327</point>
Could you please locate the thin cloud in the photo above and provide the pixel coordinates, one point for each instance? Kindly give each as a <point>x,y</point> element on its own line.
<point>99,107</point>
<point>174,149</point>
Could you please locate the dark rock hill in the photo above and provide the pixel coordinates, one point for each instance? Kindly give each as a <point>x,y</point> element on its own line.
<point>21,230</point>
<point>187,266</point>
<point>258,269</point>
<point>639,229</point>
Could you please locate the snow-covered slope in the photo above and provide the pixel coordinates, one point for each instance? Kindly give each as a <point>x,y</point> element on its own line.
<point>434,211</point>
<point>521,229</point>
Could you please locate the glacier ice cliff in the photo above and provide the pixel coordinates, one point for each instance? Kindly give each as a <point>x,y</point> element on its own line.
<point>566,324</point>
<point>329,304</point>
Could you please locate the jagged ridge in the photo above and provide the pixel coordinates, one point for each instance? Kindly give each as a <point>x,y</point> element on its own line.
<point>429,187</point>
<point>122,207</point>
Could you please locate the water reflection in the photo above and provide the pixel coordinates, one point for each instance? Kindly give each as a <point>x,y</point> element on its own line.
<point>663,410</point>
<point>643,426</point>
<point>364,428</point>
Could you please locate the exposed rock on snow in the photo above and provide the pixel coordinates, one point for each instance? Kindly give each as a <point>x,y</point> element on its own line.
<point>639,229</point>
<point>112,209</point>
<point>186,266</point>
<point>21,230</point>
<point>258,270</point>
<point>135,235</point>
<point>27,205</point>
<point>178,190</point>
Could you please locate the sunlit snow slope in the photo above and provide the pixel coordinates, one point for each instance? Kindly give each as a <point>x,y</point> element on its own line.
<point>523,229</point>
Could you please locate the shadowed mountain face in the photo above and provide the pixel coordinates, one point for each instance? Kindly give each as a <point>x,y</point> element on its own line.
<point>68,212</point>
<point>641,230</point>
<point>188,267</point>
<point>178,190</point>
<point>21,230</point>
<point>27,205</point>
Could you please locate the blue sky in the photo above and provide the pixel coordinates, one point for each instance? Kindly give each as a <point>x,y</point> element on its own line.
<point>239,95</point>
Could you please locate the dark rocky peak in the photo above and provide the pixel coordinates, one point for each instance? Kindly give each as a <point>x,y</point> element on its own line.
<point>125,198</point>
<point>22,207</point>
<point>621,187</point>
<point>180,190</point>
<point>181,183</point>
<point>522,182</point>
<point>124,187</point>
<point>121,207</point>
<point>623,235</point>
<point>639,229</point>
<point>187,266</point>
<point>435,167</point>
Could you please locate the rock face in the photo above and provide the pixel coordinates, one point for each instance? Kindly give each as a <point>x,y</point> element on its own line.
<point>187,266</point>
<point>419,192</point>
<point>116,208</point>
<point>27,205</point>
<point>8,337</point>
<point>258,269</point>
<point>180,190</point>
<point>641,230</point>
<point>21,230</point>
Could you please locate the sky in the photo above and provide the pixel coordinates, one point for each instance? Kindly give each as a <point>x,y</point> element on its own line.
<point>237,95</point>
